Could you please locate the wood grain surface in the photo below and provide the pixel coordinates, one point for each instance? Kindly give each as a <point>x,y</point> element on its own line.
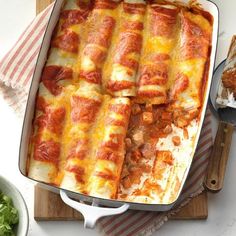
<point>219,157</point>
<point>41,5</point>
<point>48,206</point>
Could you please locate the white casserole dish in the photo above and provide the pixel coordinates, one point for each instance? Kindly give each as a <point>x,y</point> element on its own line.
<point>94,212</point>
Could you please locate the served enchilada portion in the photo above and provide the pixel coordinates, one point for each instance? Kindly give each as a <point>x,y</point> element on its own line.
<point>120,98</point>
<point>227,87</point>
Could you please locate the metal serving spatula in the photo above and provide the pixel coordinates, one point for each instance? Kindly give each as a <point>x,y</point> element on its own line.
<point>219,156</point>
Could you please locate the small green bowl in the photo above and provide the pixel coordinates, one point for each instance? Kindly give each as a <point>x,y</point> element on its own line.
<point>19,203</point>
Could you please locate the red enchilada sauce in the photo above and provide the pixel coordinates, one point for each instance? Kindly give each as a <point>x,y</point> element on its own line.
<point>147,124</point>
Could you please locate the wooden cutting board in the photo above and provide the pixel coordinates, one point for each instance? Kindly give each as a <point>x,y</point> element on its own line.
<point>48,206</point>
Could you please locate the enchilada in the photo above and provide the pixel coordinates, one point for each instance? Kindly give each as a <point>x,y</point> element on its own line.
<point>108,61</point>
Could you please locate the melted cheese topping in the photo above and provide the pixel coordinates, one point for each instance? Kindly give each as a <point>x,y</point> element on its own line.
<point>111,52</point>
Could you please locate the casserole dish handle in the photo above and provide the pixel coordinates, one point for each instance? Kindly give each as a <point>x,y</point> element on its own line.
<point>92,212</point>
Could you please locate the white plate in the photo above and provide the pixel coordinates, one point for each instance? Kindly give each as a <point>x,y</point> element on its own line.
<point>19,203</point>
<point>216,83</point>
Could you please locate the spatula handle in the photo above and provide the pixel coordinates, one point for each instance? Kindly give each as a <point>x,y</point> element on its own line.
<point>219,157</point>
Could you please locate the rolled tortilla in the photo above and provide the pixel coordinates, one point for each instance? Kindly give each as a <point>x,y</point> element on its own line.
<point>109,156</point>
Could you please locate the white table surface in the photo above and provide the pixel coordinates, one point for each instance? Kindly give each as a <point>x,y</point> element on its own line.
<point>14,17</point>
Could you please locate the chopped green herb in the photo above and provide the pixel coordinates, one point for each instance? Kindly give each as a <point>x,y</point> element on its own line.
<point>8,216</point>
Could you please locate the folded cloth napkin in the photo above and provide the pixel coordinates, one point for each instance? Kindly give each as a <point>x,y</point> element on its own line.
<point>16,70</point>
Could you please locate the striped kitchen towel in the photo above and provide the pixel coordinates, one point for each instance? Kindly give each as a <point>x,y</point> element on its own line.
<point>17,66</point>
<point>16,70</point>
